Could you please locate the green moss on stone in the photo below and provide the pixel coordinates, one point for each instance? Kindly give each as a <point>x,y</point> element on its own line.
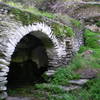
<point>25,17</point>
<point>61,30</point>
<point>75,23</point>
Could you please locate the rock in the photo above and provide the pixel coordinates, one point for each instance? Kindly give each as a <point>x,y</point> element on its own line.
<point>19,98</point>
<point>3,61</point>
<point>93,28</point>
<point>87,52</point>
<point>70,88</point>
<point>3,88</point>
<point>3,83</point>
<point>22,98</point>
<point>3,95</point>
<point>79,82</point>
<point>3,74</point>
<point>49,73</point>
<point>87,73</point>
<point>3,79</point>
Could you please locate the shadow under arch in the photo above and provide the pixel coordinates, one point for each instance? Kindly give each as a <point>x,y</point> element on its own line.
<point>29,59</point>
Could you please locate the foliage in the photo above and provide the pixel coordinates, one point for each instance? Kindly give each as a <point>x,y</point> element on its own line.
<point>91,39</point>
<point>76,23</point>
<point>94,89</point>
<point>50,87</point>
<point>61,30</point>
<point>63,75</point>
<point>98,23</point>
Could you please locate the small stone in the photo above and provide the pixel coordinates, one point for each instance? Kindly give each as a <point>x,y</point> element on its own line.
<point>79,82</point>
<point>3,61</point>
<point>3,95</point>
<point>3,79</point>
<point>3,83</point>
<point>70,88</point>
<point>21,98</point>
<point>50,73</point>
<point>87,73</point>
<point>87,52</point>
<point>3,88</point>
<point>3,74</point>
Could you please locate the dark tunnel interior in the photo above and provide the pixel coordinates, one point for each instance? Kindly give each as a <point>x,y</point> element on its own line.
<point>29,62</point>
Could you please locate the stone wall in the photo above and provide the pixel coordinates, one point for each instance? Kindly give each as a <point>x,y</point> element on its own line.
<point>14,26</point>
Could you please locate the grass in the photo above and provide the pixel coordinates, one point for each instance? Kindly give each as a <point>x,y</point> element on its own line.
<point>91,39</point>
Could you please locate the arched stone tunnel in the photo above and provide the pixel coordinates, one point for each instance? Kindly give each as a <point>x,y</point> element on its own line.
<point>27,53</point>
<point>27,50</point>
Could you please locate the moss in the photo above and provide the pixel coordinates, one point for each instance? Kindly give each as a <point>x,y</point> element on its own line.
<point>25,17</point>
<point>61,30</point>
<point>75,23</point>
<point>28,18</point>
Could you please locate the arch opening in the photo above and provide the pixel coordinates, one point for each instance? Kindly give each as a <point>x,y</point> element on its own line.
<point>28,62</point>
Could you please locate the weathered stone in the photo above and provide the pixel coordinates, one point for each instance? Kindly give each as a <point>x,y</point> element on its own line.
<point>79,82</point>
<point>86,53</point>
<point>3,95</point>
<point>3,88</point>
<point>3,79</point>
<point>3,83</point>
<point>3,61</point>
<point>4,69</point>
<point>87,73</point>
<point>49,73</point>
<point>22,98</point>
<point>3,74</point>
<point>70,88</point>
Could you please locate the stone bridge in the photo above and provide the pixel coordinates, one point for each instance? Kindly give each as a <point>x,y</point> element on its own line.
<point>31,44</point>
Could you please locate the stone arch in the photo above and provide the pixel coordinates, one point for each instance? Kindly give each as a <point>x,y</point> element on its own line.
<point>39,30</point>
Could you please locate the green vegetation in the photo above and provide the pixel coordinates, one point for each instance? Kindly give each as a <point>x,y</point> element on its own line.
<point>98,23</point>
<point>61,30</point>
<point>66,73</point>
<point>91,39</point>
<point>25,17</point>
<point>31,15</point>
<point>28,15</point>
<point>33,10</point>
<point>75,23</point>
<point>91,90</point>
